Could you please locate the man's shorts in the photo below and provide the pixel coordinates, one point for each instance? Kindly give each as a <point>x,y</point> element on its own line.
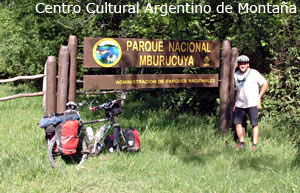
<point>240,113</point>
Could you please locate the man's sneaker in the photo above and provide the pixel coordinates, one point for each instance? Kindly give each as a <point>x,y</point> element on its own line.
<point>241,145</point>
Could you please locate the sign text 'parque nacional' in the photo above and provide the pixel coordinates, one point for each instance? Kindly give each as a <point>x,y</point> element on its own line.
<point>141,53</point>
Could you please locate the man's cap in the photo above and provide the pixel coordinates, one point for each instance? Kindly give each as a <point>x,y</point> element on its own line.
<point>243,58</point>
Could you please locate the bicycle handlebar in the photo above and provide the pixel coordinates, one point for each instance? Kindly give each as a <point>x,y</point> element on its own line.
<point>106,106</point>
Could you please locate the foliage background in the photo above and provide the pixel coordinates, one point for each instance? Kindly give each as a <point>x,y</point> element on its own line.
<point>271,40</point>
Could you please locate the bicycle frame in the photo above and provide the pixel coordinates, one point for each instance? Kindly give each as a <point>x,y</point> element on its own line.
<point>112,124</point>
<point>85,156</point>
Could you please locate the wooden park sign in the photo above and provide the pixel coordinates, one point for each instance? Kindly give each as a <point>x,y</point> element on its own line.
<point>141,53</point>
<point>144,53</point>
<point>151,53</point>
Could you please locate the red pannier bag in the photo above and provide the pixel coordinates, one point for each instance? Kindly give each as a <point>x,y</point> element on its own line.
<point>68,136</point>
<point>132,138</point>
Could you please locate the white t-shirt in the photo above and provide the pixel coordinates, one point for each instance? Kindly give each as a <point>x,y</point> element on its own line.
<point>247,87</point>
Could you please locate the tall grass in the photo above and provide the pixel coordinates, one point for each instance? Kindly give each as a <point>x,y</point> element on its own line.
<point>180,152</point>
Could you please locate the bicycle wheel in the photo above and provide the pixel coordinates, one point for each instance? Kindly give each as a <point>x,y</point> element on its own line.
<point>57,159</point>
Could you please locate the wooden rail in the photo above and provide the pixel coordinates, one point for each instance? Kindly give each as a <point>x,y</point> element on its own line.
<point>23,78</point>
<point>22,95</point>
<point>25,94</point>
<point>97,93</point>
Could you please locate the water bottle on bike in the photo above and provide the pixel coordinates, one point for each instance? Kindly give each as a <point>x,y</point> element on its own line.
<point>99,135</point>
<point>90,134</point>
<point>100,132</point>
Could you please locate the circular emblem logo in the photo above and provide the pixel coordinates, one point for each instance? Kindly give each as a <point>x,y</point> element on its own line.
<point>107,52</point>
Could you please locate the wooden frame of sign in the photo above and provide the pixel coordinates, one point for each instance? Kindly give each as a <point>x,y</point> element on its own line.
<point>142,53</point>
<point>153,53</point>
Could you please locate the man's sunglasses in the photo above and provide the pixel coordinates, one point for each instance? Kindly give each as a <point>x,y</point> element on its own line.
<point>242,63</point>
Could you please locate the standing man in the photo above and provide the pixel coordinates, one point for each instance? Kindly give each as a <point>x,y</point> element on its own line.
<point>247,99</point>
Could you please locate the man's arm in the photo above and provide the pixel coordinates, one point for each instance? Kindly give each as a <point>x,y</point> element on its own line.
<point>263,90</point>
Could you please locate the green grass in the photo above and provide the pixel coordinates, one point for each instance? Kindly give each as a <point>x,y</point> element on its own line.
<point>180,152</point>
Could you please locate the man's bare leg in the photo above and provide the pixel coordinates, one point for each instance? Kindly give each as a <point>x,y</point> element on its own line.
<point>255,137</point>
<point>240,130</point>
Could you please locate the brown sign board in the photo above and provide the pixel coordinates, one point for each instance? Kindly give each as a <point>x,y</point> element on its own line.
<point>125,82</point>
<point>151,53</point>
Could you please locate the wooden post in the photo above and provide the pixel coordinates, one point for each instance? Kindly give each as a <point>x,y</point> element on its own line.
<point>63,79</point>
<point>72,45</point>
<point>224,88</point>
<point>51,86</point>
<point>45,86</point>
<point>234,56</point>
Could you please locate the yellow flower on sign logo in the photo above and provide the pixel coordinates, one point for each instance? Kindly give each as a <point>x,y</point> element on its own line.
<point>107,52</point>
